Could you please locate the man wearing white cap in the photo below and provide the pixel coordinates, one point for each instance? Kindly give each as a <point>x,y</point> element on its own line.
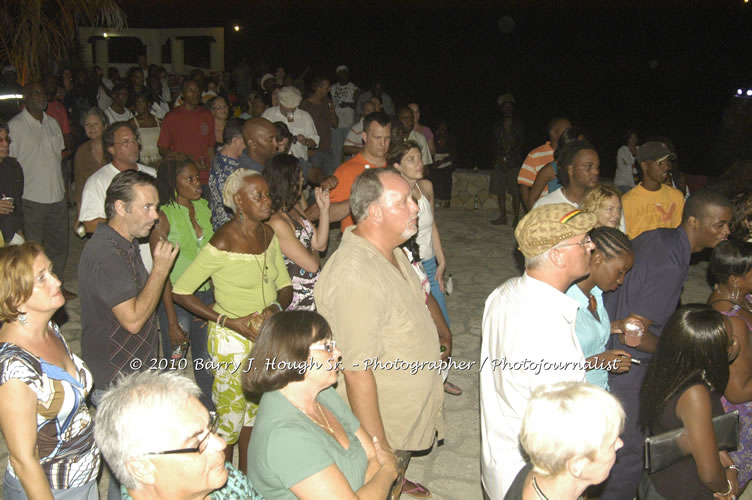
<point>300,123</point>
<point>529,334</point>
<point>267,83</point>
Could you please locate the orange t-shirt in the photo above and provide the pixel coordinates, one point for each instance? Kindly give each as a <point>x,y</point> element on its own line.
<point>346,174</point>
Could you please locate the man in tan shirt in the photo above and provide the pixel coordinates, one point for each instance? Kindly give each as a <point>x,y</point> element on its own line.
<point>376,306</point>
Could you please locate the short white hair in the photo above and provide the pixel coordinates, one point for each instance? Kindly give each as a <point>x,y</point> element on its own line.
<point>233,183</point>
<point>537,260</point>
<point>567,420</point>
<point>135,413</point>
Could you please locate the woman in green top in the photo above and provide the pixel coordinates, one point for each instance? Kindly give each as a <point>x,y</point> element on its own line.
<point>307,443</point>
<point>184,218</point>
<point>245,264</point>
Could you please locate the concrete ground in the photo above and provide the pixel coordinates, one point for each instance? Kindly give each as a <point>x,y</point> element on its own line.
<point>480,257</point>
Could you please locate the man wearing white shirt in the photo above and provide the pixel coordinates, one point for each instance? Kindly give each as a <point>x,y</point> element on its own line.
<point>121,143</point>
<point>529,334</point>
<point>38,145</point>
<point>299,122</point>
<point>354,141</point>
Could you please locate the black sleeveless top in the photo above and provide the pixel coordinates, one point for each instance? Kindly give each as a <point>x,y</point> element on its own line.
<point>681,481</point>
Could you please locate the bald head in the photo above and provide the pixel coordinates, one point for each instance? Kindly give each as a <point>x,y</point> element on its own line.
<point>557,127</point>
<point>260,137</point>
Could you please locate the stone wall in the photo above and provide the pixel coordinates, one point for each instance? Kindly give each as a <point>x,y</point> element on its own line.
<point>469,183</point>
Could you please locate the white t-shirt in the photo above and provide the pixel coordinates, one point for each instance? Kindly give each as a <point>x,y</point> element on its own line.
<point>555,197</point>
<point>624,162</point>
<point>302,124</point>
<point>341,94</point>
<point>516,344</point>
<point>92,200</point>
<point>38,147</point>
<point>424,151</point>
<point>353,136</point>
<point>113,116</point>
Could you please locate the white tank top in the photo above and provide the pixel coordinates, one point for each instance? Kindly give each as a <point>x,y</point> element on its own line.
<point>425,227</point>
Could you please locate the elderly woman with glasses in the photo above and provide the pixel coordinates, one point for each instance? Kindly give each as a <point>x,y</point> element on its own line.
<point>43,386</point>
<point>570,431</point>
<point>307,443</point>
<point>91,155</point>
<point>161,443</point>
<point>251,283</point>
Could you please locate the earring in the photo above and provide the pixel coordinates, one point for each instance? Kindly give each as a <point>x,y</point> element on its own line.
<point>240,216</point>
<point>22,319</point>
<point>734,294</point>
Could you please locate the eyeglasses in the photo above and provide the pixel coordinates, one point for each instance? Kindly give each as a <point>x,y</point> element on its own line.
<point>202,444</point>
<point>135,141</point>
<point>584,243</point>
<point>328,347</point>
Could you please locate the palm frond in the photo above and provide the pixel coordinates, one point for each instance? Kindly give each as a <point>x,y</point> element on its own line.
<point>39,33</point>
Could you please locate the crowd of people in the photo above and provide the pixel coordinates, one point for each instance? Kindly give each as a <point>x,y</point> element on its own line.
<point>608,264</point>
<point>206,208</point>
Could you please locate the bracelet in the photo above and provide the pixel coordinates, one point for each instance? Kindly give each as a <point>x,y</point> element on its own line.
<point>735,467</point>
<point>221,320</point>
<point>275,303</point>
<point>726,492</point>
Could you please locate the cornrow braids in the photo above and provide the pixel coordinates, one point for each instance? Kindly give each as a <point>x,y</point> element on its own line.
<point>610,241</point>
<point>167,176</point>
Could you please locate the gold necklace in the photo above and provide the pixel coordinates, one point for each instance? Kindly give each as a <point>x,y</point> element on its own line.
<point>326,427</point>
<point>326,420</point>
<point>263,270</point>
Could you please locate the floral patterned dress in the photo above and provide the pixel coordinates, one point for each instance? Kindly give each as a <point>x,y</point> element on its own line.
<point>302,281</point>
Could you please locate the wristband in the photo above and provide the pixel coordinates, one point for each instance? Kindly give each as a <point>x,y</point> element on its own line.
<point>734,466</point>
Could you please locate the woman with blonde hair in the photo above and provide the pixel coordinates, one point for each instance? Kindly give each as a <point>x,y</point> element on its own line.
<point>605,202</point>
<point>43,387</point>
<point>570,431</point>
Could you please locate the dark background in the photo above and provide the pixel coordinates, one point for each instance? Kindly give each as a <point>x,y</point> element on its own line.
<point>666,69</point>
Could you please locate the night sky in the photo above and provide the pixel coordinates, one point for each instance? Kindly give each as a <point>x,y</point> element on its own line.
<point>665,71</point>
